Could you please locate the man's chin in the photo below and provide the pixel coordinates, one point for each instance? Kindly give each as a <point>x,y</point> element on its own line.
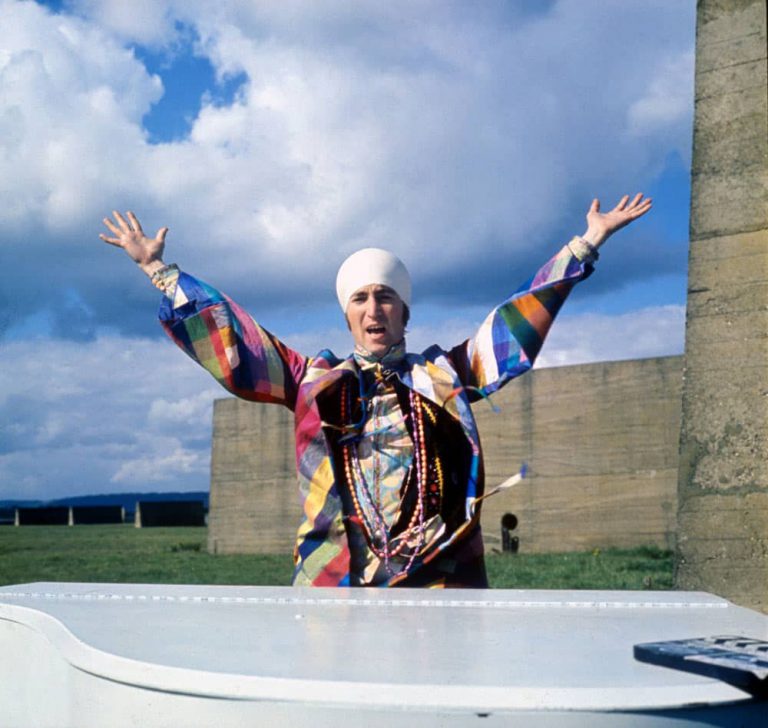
<point>378,347</point>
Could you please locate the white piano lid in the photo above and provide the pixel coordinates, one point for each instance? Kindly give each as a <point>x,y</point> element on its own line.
<point>421,649</point>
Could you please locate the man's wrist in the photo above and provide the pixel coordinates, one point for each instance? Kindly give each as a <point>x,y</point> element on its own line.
<point>594,237</point>
<point>152,267</point>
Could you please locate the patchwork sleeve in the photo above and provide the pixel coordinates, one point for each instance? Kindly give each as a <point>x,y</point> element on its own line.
<point>243,357</point>
<point>510,338</point>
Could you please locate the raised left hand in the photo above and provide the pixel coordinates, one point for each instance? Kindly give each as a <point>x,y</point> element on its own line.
<point>601,225</point>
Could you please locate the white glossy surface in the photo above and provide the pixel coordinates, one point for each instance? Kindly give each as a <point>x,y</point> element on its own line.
<point>335,650</point>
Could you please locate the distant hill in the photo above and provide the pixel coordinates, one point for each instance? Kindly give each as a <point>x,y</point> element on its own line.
<point>126,500</point>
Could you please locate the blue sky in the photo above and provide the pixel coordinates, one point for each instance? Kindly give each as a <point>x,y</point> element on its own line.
<point>274,139</point>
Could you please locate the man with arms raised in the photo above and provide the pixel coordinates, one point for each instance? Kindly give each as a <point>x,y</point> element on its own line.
<point>387,449</point>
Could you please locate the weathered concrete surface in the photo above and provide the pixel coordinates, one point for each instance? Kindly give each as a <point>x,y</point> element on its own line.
<point>729,187</point>
<point>723,479</point>
<point>601,440</point>
<point>254,501</point>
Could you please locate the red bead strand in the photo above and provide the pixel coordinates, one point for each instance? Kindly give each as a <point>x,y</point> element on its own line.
<point>420,467</point>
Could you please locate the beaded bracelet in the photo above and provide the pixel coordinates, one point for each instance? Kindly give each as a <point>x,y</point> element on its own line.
<point>583,249</point>
<point>164,277</point>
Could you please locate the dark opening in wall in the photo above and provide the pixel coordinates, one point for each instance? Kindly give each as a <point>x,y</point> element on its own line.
<point>509,521</point>
<point>509,543</point>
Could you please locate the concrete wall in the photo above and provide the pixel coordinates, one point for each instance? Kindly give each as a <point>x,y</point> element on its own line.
<point>601,441</point>
<point>723,480</point>
<point>254,501</point>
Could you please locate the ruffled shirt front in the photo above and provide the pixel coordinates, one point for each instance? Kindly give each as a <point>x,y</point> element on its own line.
<point>385,454</point>
<point>385,447</point>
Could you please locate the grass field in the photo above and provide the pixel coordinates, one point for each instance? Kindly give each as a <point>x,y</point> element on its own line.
<point>179,556</point>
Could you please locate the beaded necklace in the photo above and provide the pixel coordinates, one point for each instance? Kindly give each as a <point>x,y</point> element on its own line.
<point>428,493</point>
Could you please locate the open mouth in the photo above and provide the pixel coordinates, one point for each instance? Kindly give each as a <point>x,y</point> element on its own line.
<point>375,330</point>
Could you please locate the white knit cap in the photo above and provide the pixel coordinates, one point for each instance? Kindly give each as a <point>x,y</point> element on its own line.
<point>372,265</point>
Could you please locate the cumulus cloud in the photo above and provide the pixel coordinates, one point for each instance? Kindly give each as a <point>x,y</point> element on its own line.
<point>72,104</point>
<point>169,463</point>
<point>647,332</point>
<point>141,21</point>
<point>453,137</point>
<point>195,408</point>
<point>114,413</point>
<point>578,339</point>
<point>667,100</point>
<point>469,138</point>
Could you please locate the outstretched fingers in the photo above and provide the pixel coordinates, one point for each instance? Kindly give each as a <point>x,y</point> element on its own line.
<point>111,241</point>
<point>125,232</point>
<point>633,209</point>
<point>111,226</point>
<point>622,203</point>
<point>639,206</point>
<point>124,229</point>
<point>134,222</point>
<point>113,229</point>
<point>124,226</point>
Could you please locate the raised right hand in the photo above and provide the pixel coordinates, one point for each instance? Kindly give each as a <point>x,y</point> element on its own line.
<point>146,252</point>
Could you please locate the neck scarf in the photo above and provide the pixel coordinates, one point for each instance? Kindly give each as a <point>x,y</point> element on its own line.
<point>392,358</point>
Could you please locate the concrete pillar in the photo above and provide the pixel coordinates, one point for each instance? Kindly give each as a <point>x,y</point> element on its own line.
<point>254,502</point>
<point>723,476</point>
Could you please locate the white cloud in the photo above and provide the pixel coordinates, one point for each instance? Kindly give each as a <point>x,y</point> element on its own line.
<point>82,417</point>
<point>464,138</point>
<point>72,103</point>
<point>141,21</point>
<point>181,411</point>
<point>647,332</point>
<point>449,136</point>
<point>170,465</point>
<point>667,101</point>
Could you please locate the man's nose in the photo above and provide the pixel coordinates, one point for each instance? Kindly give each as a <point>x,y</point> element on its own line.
<point>372,306</point>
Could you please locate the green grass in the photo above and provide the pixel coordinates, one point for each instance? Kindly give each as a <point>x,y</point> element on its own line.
<point>179,556</point>
<point>128,554</point>
<point>646,567</point>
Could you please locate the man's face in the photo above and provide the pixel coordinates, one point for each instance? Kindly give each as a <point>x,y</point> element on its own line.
<point>375,318</point>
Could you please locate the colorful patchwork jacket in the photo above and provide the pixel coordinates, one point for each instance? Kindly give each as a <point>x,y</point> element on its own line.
<point>253,364</point>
